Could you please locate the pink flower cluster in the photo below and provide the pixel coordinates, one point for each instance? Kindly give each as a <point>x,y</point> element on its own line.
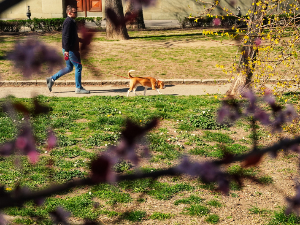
<point>31,55</point>
<point>231,110</point>
<point>207,171</point>
<point>25,143</point>
<point>217,22</point>
<point>101,167</point>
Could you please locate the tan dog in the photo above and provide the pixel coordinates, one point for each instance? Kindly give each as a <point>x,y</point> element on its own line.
<point>145,82</point>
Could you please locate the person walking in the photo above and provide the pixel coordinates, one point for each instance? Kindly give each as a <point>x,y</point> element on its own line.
<point>70,49</point>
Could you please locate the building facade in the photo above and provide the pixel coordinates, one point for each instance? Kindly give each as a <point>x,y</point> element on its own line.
<point>163,9</point>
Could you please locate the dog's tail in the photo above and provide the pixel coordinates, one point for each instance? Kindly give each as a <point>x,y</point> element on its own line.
<point>129,73</point>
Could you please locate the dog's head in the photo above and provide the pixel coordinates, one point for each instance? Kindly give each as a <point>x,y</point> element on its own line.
<point>160,84</point>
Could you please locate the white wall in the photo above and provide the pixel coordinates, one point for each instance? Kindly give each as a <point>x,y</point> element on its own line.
<point>163,10</point>
<point>38,8</point>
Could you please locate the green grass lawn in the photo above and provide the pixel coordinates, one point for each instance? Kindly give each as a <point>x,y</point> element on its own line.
<point>86,126</point>
<point>165,54</point>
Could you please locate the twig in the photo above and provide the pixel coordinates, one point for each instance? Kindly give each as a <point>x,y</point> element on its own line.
<point>17,199</point>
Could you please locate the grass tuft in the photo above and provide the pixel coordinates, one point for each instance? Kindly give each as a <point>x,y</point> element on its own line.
<point>213,219</point>
<point>161,216</point>
<point>196,210</point>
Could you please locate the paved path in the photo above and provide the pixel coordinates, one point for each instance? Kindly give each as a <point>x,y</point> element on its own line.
<point>110,90</point>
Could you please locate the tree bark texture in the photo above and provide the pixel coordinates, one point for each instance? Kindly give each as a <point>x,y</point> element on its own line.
<point>112,31</point>
<point>249,51</point>
<point>137,22</point>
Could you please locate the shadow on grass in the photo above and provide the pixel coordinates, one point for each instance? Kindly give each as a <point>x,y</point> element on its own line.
<point>170,36</point>
<point>163,37</point>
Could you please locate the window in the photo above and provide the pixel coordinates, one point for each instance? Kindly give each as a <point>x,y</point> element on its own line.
<point>95,5</point>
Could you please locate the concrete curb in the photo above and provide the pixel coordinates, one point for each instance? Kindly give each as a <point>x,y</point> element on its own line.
<point>18,83</point>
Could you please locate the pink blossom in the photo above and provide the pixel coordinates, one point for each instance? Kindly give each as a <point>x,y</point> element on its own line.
<point>25,142</point>
<point>52,140</point>
<point>129,137</point>
<point>208,172</point>
<point>290,113</point>
<point>249,94</point>
<point>252,101</point>
<point>33,157</point>
<point>257,41</point>
<point>278,122</point>
<point>270,99</point>
<point>188,167</point>
<point>216,22</point>
<point>267,91</point>
<point>228,111</point>
<point>21,142</point>
<point>223,113</point>
<point>283,116</point>
<point>31,55</point>
<point>125,151</point>
<point>262,116</point>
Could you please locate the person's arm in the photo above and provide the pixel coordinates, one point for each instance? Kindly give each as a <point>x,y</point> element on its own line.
<point>66,37</point>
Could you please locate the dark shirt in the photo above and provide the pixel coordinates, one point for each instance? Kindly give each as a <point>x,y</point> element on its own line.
<point>70,40</point>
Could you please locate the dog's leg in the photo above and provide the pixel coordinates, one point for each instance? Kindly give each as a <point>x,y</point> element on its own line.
<point>145,91</point>
<point>158,91</point>
<point>128,92</point>
<point>134,91</point>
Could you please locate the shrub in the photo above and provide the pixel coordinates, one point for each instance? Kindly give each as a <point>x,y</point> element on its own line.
<point>45,25</point>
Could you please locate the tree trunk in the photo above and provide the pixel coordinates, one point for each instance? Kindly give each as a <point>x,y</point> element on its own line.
<point>249,51</point>
<point>113,32</point>
<point>137,22</point>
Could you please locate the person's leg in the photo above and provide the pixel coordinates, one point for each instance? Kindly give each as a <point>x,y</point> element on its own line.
<point>76,61</point>
<point>67,69</point>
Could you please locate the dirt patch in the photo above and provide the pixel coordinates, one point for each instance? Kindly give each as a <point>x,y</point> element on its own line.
<point>82,121</point>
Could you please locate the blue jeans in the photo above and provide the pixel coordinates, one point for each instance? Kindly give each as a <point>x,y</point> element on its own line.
<point>74,61</point>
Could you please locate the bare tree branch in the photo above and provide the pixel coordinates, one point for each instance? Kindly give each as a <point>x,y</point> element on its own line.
<point>17,199</point>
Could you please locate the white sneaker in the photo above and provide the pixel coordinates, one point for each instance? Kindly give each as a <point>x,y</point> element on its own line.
<point>81,91</point>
